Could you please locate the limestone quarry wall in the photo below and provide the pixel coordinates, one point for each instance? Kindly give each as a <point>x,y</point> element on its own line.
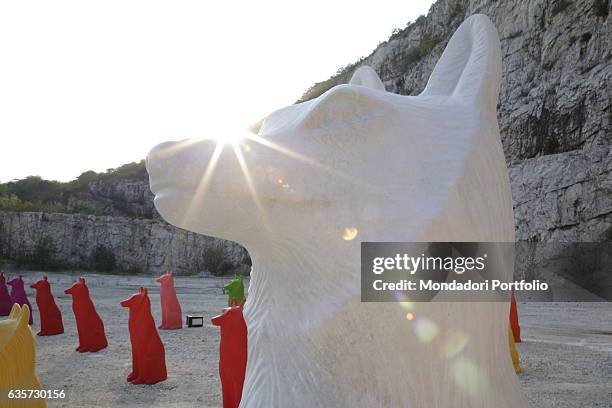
<point>137,245</point>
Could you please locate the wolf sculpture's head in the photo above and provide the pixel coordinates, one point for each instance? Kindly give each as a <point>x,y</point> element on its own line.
<point>138,301</point>
<point>18,352</point>
<point>16,323</point>
<point>356,159</point>
<point>17,284</point>
<point>358,164</point>
<point>229,315</point>
<point>78,289</point>
<point>42,285</point>
<point>166,279</point>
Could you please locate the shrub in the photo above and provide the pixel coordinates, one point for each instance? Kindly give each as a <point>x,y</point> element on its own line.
<point>342,75</point>
<point>415,54</point>
<point>560,6</point>
<point>102,259</point>
<point>551,145</point>
<point>215,260</point>
<point>395,33</point>
<point>13,203</point>
<point>600,8</point>
<point>36,194</point>
<point>455,9</point>
<point>42,256</point>
<point>22,261</point>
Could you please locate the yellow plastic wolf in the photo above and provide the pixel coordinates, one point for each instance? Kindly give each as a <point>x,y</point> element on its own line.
<point>18,359</point>
<point>516,362</point>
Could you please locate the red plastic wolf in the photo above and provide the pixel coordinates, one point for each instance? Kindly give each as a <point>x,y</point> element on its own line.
<point>233,353</point>
<point>89,324</point>
<point>172,317</point>
<point>514,320</point>
<point>6,303</point>
<point>50,315</point>
<point>18,294</point>
<point>148,354</point>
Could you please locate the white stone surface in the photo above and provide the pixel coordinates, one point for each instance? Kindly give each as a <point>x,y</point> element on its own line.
<point>360,164</point>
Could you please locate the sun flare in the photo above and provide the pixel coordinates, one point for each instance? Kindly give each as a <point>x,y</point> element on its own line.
<point>230,136</point>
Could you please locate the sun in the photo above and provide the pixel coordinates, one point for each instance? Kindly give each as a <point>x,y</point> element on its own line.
<point>231,137</point>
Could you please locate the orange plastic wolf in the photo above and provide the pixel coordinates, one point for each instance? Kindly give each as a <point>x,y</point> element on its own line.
<point>514,355</point>
<point>172,317</point>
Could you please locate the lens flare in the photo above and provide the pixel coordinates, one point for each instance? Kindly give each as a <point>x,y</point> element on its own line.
<point>350,233</point>
<point>249,181</point>
<point>204,181</point>
<point>469,378</point>
<point>231,137</point>
<point>455,343</point>
<point>311,162</point>
<point>426,330</point>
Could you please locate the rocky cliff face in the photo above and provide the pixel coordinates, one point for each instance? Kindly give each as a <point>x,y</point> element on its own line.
<point>128,198</point>
<point>70,241</point>
<point>564,197</point>
<point>554,110</point>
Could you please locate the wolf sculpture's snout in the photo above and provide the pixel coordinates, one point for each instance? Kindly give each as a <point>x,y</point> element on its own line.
<point>198,182</point>
<point>156,158</point>
<point>178,164</point>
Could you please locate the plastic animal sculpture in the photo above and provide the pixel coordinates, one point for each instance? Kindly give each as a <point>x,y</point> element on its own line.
<point>50,315</point>
<point>18,358</point>
<point>148,355</point>
<point>360,164</point>
<point>90,327</point>
<point>514,355</point>
<point>18,294</point>
<point>6,303</point>
<point>235,291</point>
<point>172,317</point>
<point>232,353</point>
<point>514,321</point>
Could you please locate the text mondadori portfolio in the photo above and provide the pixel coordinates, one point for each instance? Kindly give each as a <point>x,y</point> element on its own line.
<point>428,284</point>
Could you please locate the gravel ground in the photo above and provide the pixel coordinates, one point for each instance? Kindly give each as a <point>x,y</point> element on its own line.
<point>566,354</point>
<point>566,351</point>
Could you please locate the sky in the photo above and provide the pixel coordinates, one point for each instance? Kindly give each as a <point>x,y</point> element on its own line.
<point>90,85</point>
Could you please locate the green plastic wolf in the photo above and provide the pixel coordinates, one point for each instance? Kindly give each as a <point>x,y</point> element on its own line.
<point>235,290</point>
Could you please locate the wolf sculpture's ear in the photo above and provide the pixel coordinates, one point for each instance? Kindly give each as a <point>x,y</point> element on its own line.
<point>366,76</point>
<point>470,66</point>
<point>254,128</point>
<point>25,316</point>
<point>82,279</point>
<point>14,311</point>
<point>144,291</point>
<point>242,302</point>
<point>45,278</point>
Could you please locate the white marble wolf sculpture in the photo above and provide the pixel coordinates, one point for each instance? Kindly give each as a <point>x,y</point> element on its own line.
<point>360,164</point>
